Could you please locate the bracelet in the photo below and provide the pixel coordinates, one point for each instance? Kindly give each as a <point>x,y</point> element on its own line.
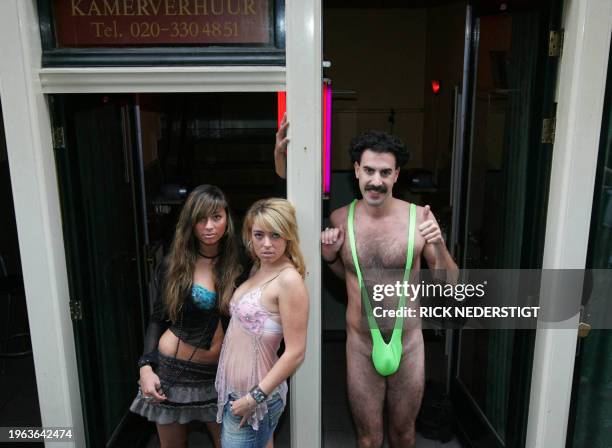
<point>150,359</point>
<point>258,395</point>
<point>332,261</point>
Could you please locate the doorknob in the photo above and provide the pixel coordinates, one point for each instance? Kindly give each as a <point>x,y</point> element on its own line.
<point>583,330</point>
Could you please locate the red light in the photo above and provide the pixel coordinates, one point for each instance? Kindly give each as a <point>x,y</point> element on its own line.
<point>281,106</point>
<point>435,86</point>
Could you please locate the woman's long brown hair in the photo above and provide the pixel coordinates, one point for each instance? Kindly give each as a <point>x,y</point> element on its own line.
<point>201,203</point>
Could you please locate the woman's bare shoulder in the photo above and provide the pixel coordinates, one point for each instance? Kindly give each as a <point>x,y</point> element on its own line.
<point>290,277</point>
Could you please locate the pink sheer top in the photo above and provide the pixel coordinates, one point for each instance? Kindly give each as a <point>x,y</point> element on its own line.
<point>249,352</point>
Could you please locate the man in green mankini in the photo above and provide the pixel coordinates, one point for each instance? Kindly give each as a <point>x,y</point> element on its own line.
<point>380,236</point>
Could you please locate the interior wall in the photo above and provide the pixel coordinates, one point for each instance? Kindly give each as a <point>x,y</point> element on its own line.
<point>379,54</point>
<point>377,72</point>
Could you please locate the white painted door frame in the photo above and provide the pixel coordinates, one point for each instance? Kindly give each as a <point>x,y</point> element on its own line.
<point>37,212</point>
<point>304,105</point>
<point>23,85</point>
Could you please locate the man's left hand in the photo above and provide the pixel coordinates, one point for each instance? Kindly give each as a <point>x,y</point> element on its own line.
<point>430,229</point>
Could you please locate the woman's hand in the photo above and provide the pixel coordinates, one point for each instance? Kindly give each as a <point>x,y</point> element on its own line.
<point>243,407</point>
<point>150,385</point>
<point>280,149</point>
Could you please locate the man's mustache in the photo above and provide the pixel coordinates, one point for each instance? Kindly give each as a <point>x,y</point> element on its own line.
<point>378,189</point>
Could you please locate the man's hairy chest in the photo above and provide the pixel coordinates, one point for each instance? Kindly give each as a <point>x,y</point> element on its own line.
<point>377,249</point>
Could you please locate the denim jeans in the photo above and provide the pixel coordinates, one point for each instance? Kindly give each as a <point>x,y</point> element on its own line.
<point>233,436</point>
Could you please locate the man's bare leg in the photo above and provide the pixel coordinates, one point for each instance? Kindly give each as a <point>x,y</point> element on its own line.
<point>366,392</point>
<point>405,391</point>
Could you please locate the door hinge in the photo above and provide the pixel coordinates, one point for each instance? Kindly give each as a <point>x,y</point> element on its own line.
<point>583,330</point>
<point>59,141</point>
<point>548,130</point>
<point>76,310</point>
<point>555,43</point>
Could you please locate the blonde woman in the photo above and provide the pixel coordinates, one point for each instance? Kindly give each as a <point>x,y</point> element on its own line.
<point>270,306</point>
<point>184,335</point>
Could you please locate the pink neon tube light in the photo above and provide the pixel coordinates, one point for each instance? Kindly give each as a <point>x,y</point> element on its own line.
<point>327,111</point>
<point>327,114</point>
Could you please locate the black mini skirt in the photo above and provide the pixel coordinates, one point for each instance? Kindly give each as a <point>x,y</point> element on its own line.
<point>190,391</point>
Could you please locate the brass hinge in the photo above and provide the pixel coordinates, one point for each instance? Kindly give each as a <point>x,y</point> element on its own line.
<point>76,310</point>
<point>583,330</point>
<point>548,130</point>
<point>555,43</point>
<point>59,140</point>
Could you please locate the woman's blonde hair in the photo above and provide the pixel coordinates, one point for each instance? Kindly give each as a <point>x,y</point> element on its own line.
<point>203,202</point>
<point>275,215</point>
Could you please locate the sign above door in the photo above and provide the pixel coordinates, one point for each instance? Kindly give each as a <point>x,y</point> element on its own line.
<point>166,32</point>
<point>96,23</point>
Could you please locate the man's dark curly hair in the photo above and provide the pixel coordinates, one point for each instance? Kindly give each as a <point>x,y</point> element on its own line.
<point>379,142</point>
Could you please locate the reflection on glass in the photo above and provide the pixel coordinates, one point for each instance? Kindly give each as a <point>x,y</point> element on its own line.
<point>496,203</point>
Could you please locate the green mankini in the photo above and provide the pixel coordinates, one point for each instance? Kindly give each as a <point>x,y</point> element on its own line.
<point>386,357</point>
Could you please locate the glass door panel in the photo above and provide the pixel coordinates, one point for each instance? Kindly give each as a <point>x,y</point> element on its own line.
<point>510,72</point>
<point>102,233</point>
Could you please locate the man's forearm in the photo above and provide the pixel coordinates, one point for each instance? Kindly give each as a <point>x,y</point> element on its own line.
<point>445,267</point>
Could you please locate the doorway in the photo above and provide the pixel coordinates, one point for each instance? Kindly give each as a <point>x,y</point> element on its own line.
<point>125,164</point>
<point>466,86</point>
<point>505,189</point>
<point>384,59</point>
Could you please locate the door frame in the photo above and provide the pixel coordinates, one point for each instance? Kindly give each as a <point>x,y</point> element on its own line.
<point>23,86</point>
<point>579,97</point>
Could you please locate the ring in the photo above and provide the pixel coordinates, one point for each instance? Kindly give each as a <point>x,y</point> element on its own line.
<point>148,398</point>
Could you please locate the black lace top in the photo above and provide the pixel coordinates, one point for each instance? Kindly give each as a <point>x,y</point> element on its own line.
<point>194,325</point>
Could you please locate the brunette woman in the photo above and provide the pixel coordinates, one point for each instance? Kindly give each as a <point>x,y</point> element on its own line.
<point>184,335</point>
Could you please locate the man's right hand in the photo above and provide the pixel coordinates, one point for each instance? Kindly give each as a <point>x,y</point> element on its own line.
<point>331,242</point>
<point>150,384</point>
